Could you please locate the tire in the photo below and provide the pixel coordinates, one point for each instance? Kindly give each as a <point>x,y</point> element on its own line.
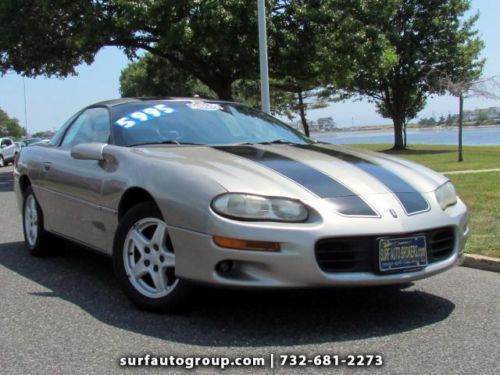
<point>144,261</point>
<point>2,161</point>
<point>38,241</point>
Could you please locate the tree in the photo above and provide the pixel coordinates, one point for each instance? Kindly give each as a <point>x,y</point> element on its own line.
<point>312,44</point>
<point>482,117</point>
<point>427,36</point>
<point>214,41</point>
<point>327,123</point>
<point>462,85</point>
<point>449,120</point>
<point>317,45</point>
<point>153,76</point>
<point>427,121</point>
<point>9,127</point>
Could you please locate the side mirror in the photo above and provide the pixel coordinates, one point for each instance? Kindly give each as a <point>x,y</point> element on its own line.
<point>88,151</point>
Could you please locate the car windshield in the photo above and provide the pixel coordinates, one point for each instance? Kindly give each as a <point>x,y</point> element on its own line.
<point>197,122</point>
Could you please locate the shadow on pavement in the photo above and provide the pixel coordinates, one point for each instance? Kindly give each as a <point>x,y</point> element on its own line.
<point>231,318</point>
<point>6,180</point>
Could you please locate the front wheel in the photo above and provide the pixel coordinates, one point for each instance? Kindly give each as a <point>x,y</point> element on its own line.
<point>2,161</point>
<point>38,241</point>
<point>144,261</point>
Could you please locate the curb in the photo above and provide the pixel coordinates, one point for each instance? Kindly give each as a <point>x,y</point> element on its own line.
<point>482,262</point>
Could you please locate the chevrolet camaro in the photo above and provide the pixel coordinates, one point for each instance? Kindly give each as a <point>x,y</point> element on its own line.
<point>186,191</point>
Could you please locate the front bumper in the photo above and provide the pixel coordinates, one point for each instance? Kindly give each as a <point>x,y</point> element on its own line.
<point>197,256</point>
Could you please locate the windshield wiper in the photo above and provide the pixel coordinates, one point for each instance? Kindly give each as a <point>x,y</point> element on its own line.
<point>277,142</point>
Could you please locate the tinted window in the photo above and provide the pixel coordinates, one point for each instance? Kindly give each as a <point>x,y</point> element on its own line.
<point>200,122</point>
<point>6,142</point>
<point>91,126</point>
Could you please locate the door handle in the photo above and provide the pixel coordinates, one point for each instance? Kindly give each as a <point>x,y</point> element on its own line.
<point>47,165</point>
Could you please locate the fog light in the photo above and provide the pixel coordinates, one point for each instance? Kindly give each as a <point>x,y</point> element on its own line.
<point>233,243</point>
<point>225,266</point>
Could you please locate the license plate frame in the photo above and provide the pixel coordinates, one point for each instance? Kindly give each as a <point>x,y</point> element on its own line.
<point>396,254</point>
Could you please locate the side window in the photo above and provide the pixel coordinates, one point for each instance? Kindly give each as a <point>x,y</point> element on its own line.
<point>60,133</point>
<point>6,142</point>
<point>91,126</point>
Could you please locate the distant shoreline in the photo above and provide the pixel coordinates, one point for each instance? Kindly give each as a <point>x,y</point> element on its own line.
<point>385,128</point>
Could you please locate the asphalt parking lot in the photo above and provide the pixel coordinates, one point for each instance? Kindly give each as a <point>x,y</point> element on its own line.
<point>65,314</point>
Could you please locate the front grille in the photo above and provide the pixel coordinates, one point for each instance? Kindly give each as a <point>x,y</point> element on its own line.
<point>440,244</point>
<point>359,254</point>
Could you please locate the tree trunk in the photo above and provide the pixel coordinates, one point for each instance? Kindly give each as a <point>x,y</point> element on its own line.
<point>405,143</point>
<point>224,91</point>
<point>460,125</point>
<point>399,143</point>
<point>302,111</point>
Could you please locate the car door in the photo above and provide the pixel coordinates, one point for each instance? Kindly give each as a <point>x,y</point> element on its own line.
<point>8,149</point>
<point>74,202</point>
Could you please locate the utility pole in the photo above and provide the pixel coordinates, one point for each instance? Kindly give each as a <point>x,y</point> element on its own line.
<point>264,70</point>
<point>25,107</point>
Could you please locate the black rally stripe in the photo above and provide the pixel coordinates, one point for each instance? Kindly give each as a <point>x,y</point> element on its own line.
<point>346,201</point>
<point>411,200</point>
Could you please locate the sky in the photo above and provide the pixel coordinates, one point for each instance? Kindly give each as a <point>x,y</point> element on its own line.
<point>50,101</point>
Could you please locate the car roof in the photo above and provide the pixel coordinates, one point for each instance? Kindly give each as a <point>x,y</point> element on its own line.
<point>120,101</point>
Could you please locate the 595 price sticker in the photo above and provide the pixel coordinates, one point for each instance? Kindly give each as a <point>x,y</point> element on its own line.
<point>326,360</point>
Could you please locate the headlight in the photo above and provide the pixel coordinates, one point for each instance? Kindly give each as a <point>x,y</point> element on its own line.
<point>255,207</point>
<point>446,195</point>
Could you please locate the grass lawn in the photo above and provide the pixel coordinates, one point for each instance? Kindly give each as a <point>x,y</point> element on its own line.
<point>444,158</point>
<point>480,191</point>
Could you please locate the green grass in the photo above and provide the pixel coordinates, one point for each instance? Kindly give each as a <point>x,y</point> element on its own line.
<point>480,191</point>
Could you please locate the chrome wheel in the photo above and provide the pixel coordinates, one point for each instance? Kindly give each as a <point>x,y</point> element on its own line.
<point>31,220</point>
<point>149,258</point>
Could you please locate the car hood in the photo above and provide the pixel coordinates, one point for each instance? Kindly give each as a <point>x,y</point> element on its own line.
<point>298,171</point>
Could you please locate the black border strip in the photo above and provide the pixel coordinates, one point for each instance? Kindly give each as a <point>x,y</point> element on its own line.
<point>346,201</point>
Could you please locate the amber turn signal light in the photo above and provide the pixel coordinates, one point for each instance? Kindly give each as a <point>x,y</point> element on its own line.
<point>233,243</point>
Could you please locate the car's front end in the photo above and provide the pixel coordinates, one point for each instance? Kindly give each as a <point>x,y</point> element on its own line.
<point>257,234</point>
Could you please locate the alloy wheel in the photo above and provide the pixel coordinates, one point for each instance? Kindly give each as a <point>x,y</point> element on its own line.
<point>149,258</point>
<point>31,220</point>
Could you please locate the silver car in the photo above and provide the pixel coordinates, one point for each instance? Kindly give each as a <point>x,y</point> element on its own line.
<point>187,191</point>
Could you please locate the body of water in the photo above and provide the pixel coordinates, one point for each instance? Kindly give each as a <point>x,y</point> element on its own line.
<point>447,136</point>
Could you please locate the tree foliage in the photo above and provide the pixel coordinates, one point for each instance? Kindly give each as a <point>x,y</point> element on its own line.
<point>153,76</point>
<point>9,127</point>
<point>215,41</point>
<point>389,50</point>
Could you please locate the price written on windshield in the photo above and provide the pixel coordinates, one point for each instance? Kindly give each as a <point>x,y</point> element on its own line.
<point>144,115</point>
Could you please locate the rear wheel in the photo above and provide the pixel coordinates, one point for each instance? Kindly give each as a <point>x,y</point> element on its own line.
<point>37,240</point>
<point>2,161</point>
<point>144,261</point>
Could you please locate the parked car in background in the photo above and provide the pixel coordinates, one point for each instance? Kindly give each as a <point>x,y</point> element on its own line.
<point>8,151</point>
<point>219,193</point>
<point>30,141</point>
